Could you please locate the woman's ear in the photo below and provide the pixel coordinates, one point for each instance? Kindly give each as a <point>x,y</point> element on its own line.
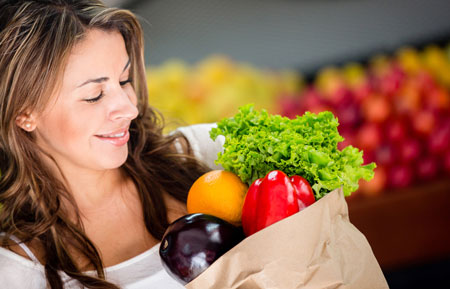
<point>26,121</point>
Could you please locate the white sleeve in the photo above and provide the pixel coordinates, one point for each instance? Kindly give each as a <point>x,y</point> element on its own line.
<point>204,148</point>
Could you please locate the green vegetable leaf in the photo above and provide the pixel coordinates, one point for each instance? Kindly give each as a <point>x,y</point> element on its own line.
<point>257,143</point>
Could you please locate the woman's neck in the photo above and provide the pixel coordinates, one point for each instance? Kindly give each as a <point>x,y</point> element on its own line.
<point>94,190</point>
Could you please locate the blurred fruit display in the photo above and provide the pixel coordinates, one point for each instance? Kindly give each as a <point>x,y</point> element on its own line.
<point>214,88</point>
<point>396,108</point>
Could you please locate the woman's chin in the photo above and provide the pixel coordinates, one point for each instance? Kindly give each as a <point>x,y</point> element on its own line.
<point>114,162</point>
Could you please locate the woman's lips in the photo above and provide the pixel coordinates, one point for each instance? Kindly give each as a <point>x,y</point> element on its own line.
<point>117,139</point>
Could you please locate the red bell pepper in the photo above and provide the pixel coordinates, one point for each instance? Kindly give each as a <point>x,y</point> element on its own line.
<point>273,198</point>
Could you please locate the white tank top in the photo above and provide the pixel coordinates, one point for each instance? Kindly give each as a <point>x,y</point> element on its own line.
<point>140,272</point>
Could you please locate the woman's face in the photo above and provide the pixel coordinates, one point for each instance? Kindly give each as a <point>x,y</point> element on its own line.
<point>86,126</point>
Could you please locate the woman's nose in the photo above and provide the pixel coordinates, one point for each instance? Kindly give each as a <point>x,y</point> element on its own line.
<point>123,105</point>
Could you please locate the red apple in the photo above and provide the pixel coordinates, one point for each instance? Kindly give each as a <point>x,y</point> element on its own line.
<point>341,97</point>
<point>410,149</point>
<point>423,122</point>
<point>311,93</point>
<point>400,176</point>
<point>407,100</point>
<point>427,168</point>
<point>348,115</point>
<point>425,81</point>
<point>439,139</point>
<point>368,136</point>
<point>438,99</point>
<point>368,157</point>
<point>386,155</point>
<point>396,130</point>
<point>376,108</point>
<point>391,82</point>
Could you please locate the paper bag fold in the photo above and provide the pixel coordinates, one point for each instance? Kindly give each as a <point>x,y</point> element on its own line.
<point>315,248</point>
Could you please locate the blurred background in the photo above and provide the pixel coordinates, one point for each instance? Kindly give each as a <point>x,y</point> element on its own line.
<point>383,68</point>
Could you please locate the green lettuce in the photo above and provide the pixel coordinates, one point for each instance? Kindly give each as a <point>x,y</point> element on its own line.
<point>257,143</point>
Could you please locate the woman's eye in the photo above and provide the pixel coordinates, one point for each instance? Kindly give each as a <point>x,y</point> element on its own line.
<point>95,99</point>
<point>122,83</point>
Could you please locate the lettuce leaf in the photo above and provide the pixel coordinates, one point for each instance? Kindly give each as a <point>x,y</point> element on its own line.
<point>257,143</point>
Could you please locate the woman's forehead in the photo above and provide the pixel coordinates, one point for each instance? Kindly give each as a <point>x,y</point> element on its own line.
<point>99,54</point>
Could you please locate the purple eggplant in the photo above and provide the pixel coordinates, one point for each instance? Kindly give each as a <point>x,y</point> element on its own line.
<point>193,242</point>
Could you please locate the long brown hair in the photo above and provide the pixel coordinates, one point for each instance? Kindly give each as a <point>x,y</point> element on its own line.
<point>36,38</point>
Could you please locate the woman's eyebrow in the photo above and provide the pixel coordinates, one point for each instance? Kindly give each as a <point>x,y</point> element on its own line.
<point>95,80</point>
<point>103,79</point>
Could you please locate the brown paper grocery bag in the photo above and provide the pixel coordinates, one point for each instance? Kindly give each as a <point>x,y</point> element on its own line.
<point>315,248</point>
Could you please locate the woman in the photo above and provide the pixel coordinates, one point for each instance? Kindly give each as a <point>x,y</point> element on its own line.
<point>88,182</point>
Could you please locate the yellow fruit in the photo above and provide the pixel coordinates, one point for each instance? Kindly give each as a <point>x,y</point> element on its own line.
<point>218,193</point>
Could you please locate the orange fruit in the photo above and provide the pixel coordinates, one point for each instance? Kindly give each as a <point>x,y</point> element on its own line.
<point>218,193</point>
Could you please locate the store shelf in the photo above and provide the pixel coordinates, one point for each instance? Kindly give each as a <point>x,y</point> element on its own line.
<point>408,226</point>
